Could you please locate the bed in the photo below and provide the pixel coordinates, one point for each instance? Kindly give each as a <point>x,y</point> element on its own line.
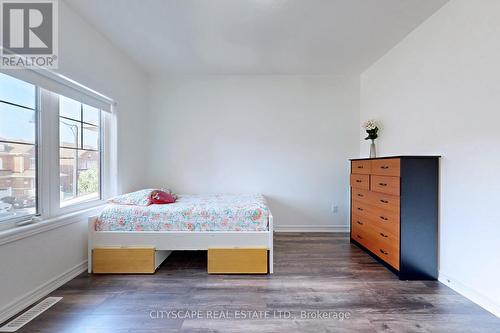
<point>193,222</point>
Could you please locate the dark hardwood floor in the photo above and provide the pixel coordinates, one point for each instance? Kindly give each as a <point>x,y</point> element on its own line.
<point>312,272</point>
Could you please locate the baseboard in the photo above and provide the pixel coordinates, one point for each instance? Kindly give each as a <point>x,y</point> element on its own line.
<point>311,228</point>
<point>483,301</point>
<point>33,296</point>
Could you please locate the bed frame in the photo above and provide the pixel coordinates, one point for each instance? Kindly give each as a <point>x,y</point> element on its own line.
<point>180,240</point>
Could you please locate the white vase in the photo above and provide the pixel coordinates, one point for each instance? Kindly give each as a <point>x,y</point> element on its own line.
<point>373,150</point>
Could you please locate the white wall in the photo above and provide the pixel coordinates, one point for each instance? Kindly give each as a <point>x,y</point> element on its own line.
<point>288,137</point>
<point>438,92</point>
<point>90,59</point>
<point>86,57</point>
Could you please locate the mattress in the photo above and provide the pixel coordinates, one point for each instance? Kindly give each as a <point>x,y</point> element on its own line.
<point>216,212</point>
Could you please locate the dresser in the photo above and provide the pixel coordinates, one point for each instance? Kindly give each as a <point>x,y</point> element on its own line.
<point>394,212</point>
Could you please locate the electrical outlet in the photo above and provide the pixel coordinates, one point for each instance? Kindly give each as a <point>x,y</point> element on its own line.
<point>335,209</point>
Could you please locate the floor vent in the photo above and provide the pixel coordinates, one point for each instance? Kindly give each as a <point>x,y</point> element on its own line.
<point>29,315</point>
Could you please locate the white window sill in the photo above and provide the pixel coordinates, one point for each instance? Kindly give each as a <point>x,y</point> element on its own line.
<point>79,201</point>
<point>78,205</point>
<point>28,230</point>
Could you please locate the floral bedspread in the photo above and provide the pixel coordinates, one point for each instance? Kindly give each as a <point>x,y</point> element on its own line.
<point>216,212</point>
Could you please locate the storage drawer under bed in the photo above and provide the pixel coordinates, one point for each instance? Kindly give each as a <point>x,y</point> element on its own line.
<point>237,261</point>
<point>127,260</point>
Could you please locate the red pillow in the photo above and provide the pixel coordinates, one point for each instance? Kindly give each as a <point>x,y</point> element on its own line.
<point>161,197</point>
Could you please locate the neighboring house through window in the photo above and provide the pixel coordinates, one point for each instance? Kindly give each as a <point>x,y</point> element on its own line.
<point>18,147</point>
<point>79,151</point>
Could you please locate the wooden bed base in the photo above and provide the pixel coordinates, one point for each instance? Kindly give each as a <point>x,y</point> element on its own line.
<point>165,241</point>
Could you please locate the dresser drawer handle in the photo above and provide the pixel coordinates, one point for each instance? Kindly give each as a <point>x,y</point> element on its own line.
<point>360,167</point>
<point>384,252</point>
<point>360,195</point>
<point>383,218</point>
<point>384,201</point>
<point>383,235</point>
<point>384,167</point>
<point>382,184</point>
<point>360,209</point>
<point>359,236</point>
<point>359,222</point>
<point>358,181</point>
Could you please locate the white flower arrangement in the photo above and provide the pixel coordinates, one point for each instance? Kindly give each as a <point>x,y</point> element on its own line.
<point>370,125</point>
<point>371,128</point>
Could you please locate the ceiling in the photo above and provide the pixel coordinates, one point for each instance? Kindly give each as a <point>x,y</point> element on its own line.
<point>255,36</point>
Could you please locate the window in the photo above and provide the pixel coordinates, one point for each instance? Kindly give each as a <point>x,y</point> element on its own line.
<point>79,151</point>
<point>56,150</point>
<point>18,148</point>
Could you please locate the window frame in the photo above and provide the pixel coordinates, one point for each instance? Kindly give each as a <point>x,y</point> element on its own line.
<point>80,147</point>
<point>10,222</point>
<point>48,86</point>
<point>52,149</point>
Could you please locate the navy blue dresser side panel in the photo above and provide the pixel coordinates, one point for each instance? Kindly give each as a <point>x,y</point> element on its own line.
<point>419,218</point>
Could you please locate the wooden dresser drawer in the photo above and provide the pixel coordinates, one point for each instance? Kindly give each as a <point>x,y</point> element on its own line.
<point>362,209</point>
<point>383,201</point>
<point>361,195</point>
<point>360,223</point>
<point>386,240</point>
<point>385,184</point>
<point>377,218</point>
<point>387,253</point>
<point>360,235</point>
<point>386,167</point>
<point>360,181</point>
<point>384,237</point>
<point>384,220</point>
<point>361,167</point>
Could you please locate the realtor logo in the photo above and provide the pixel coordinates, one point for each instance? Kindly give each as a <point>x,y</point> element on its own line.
<point>29,33</point>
